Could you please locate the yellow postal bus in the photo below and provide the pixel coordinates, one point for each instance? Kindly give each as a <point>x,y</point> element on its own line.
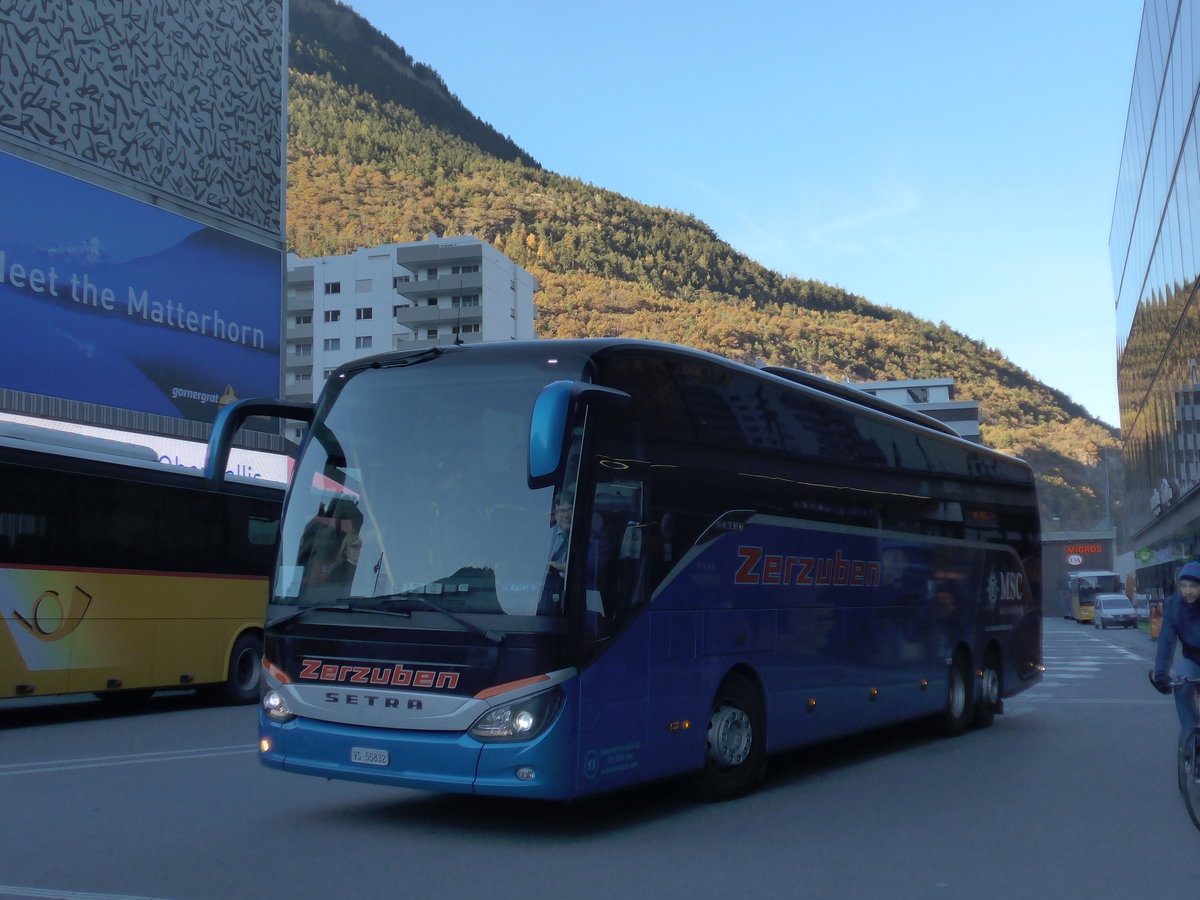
<point>1083,587</point>
<point>120,575</point>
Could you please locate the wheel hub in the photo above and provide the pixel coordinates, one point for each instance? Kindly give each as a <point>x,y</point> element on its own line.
<point>958,694</point>
<point>990,688</point>
<point>246,670</point>
<point>730,737</point>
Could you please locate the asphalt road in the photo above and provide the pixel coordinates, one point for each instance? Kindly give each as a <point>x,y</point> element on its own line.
<point>1070,794</point>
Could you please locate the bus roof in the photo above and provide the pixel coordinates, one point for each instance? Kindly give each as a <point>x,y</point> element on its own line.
<point>586,348</point>
<point>49,440</point>
<point>68,448</point>
<point>854,395</point>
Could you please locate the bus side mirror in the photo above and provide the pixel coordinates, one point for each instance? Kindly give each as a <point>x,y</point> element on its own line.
<point>548,426</point>
<point>231,418</point>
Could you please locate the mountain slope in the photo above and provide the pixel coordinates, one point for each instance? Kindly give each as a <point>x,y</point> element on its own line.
<point>375,156</point>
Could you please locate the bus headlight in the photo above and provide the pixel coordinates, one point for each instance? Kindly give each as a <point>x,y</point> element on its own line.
<point>276,707</point>
<point>519,721</point>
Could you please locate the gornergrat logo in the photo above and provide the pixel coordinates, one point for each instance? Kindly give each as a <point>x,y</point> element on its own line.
<point>395,675</point>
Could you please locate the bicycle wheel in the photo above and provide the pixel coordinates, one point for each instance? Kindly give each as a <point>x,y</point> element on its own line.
<point>1188,776</point>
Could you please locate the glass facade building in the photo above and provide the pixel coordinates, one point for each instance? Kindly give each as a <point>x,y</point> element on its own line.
<point>1155,250</point>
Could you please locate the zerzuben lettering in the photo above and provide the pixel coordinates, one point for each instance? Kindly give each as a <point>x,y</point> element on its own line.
<point>396,675</point>
<point>757,567</point>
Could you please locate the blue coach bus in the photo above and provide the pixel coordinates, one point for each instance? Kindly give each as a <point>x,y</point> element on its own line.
<point>753,560</point>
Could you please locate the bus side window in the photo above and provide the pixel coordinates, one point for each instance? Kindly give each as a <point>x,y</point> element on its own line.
<point>615,558</point>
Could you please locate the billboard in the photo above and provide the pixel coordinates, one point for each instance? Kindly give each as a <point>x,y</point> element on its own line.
<point>113,301</point>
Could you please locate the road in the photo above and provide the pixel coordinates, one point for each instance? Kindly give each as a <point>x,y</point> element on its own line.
<point>1070,794</point>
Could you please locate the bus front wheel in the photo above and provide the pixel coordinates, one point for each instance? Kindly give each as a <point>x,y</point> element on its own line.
<point>245,665</point>
<point>735,755</point>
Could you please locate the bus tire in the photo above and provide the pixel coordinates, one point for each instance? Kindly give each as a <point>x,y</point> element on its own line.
<point>957,714</point>
<point>990,691</point>
<point>735,748</point>
<point>245,671</point>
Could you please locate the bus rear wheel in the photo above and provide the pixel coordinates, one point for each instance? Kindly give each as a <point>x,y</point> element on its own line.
<point>245,666</point>
<point>989,692</point>
<point>957,715</point>
<point>735,755</point>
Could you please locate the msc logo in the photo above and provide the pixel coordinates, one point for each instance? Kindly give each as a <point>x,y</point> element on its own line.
<point>50,619</point>
<point>1005,587</point>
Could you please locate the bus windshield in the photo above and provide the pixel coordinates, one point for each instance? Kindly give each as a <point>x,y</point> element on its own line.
<point>412,494</point>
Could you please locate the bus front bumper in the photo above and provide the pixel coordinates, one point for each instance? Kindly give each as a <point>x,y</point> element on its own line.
<point>423,760</point>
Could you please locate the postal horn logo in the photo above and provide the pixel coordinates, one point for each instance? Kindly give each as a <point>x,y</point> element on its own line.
<point>52,620</point>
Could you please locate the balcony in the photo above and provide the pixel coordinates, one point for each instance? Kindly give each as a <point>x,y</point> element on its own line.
<point>465,283</point>
<point>297,362</point>
<point>427,316</point>
<point>299,300</point>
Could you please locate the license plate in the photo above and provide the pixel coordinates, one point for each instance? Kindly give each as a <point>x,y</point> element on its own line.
<point>369,756</point>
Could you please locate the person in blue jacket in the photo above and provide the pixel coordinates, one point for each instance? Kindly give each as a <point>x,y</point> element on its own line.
<point>1181,621</point>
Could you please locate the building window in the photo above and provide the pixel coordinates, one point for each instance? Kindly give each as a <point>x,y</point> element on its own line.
<point>362,286</point>
<point>431,273</point>
<point>302,376</point>
<point>303,319</point>
<point>362,343</point>
<point>467,329</point>
<point>333,343</point>
<point>333,315</point>
<point>364,312</point>
<point>465,300</point>
<point>304,349</point>
<point>459,270</point>
<point>333,287</point>
<point>398,280</point>
<point>431,334</point>
<point>431,301</point>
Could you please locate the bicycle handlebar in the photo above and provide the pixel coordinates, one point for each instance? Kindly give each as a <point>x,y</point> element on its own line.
<point>1173,680</point>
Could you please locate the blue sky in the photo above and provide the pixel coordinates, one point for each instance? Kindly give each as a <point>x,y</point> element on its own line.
<point>954,159</point>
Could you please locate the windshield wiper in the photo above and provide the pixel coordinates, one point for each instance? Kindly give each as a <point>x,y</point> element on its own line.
<point>493,636</point>
<point>329,607</point>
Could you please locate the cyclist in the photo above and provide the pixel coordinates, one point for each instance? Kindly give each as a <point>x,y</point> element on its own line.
<point>1181,620</point>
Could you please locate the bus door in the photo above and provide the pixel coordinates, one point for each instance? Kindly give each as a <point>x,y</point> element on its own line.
<point>614,682</point>
<point>41,629</point>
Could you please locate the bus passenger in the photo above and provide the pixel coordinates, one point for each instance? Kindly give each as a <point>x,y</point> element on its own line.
<point>346,562</point>
<point>560,539</point>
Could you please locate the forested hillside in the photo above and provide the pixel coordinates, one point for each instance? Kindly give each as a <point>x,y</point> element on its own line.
<point>381,151</point>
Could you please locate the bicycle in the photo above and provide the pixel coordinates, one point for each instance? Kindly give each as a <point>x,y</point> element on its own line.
<point>1188,760</point>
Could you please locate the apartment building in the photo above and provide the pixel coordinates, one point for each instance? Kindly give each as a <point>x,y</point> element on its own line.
<point>429,293</point>
<point>934,397</point>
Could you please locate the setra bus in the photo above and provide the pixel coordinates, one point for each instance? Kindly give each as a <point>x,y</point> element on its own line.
<point>121,575</point>
<point>1084,585</point>
<point>754,560</point>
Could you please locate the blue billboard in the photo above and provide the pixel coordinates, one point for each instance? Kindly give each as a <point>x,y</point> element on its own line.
<point>113,301</point>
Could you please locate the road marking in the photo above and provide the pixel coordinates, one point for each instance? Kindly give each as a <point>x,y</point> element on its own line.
<point>1023,698</point>
<point>8,890</point>
<point>129,759</point>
